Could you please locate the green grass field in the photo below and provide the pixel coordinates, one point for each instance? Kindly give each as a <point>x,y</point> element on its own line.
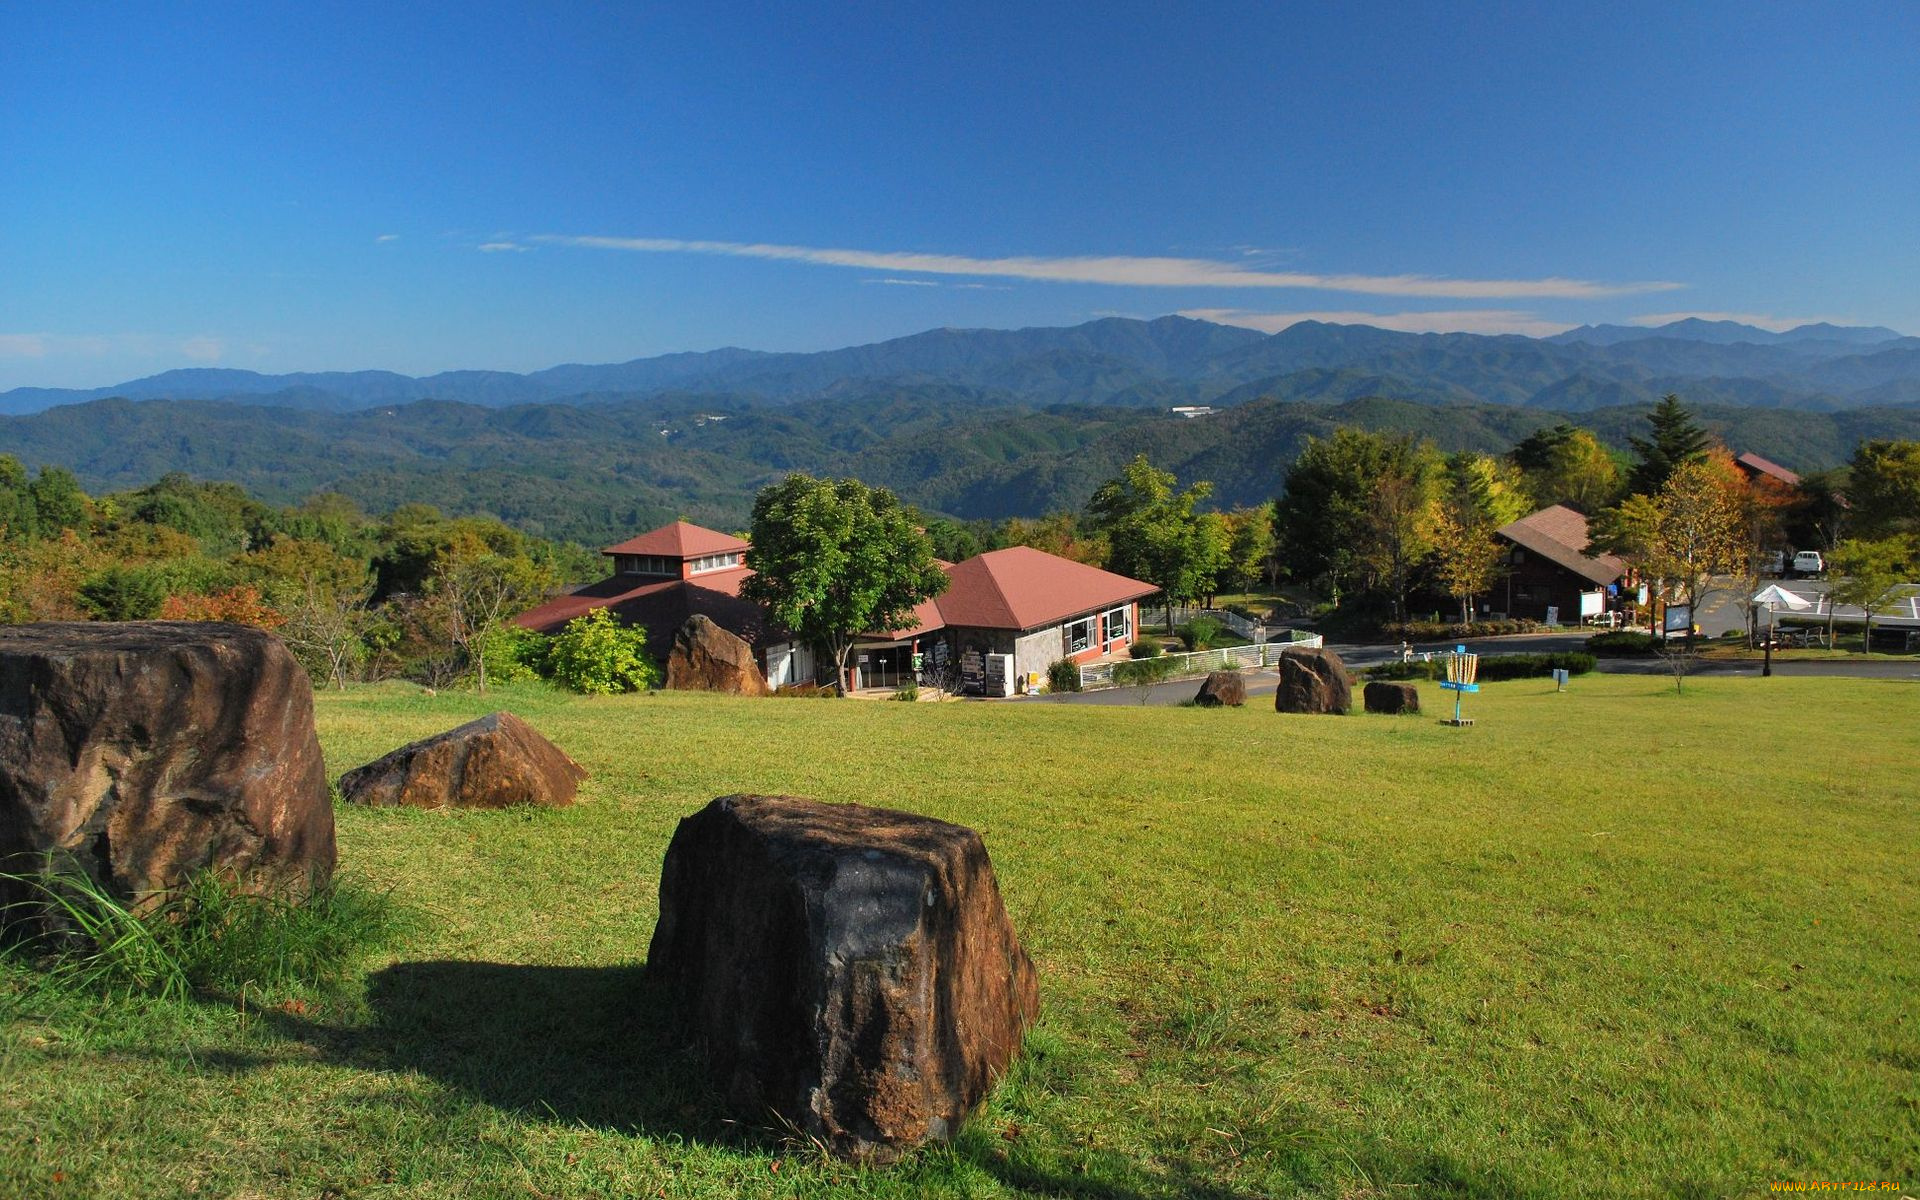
<point>1608,943</point>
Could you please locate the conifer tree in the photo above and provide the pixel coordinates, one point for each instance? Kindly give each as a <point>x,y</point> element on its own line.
<point>1676,441</point>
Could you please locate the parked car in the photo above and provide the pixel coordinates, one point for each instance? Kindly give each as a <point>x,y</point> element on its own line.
<point>1773,562</point>
<point>1808,562</point>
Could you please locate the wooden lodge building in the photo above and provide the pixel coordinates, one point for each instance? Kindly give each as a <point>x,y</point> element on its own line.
<point>1025,605</point>
<point>1549,568</point>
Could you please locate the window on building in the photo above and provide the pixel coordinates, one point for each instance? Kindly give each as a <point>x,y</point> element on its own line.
<point>1079,634</point>
<point>1120,624</point>
<point>647,564</point>
<point>717,562</point>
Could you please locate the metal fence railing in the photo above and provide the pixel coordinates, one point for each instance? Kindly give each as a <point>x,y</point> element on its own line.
<point>1200,662</point>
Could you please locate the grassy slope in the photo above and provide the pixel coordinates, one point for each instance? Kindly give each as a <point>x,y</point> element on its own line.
<point>1604,943</point>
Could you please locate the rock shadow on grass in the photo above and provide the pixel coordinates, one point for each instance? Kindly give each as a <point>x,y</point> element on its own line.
<point>584,1045</point>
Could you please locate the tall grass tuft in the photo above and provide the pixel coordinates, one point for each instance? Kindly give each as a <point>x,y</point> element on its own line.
<point>87,938</point>
<point>206,936</point>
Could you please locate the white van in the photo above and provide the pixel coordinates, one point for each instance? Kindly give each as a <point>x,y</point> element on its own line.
<point>1808,562</point>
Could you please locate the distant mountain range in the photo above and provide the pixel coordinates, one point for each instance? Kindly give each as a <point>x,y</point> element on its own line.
<point>1156,364</point>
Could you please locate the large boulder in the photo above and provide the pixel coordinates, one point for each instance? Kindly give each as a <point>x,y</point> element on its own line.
<point>142,752</point>
<point>850,968</point>
<point>1222,687</point>
<point>494,762</point>
<point>707,658</point>
<point>1313,681</point>
<point>1386,696</point>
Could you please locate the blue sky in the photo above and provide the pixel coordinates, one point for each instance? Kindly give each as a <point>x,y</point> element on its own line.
<point>313,187</point>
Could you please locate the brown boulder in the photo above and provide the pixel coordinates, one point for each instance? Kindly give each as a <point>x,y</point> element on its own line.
<point>1386,696</point>
<point>1222,687</point>
<point>850,968</point>
<point>1313,681</point>
<point>494,762</point>
<point>707,658</point>
<point>142,752</point>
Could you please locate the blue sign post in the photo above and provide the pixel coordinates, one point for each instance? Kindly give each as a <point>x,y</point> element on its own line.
<point>1462,668</point>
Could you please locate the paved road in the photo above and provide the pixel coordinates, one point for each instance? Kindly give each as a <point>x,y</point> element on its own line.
<point>1264,682</point>
<point>1722,610</point>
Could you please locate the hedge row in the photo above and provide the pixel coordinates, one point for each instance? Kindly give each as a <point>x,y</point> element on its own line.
<point>1432,631</point>
<point>1493,667</point>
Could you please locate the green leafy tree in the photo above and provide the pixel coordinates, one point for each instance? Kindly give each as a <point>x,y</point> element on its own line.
<point>58,501</point>
<point>952,540</point>
<point>1884,487</point>
<point>1153,532</point>
<point>1397,529</point>
<point>19,519</point>
<point>474,590</point>
<point>1693,532</point>
<point>1467,557</point>
<point>834,558</point>
<point>1483,489</point>
<point>598,656</point>
<point>1673,442</point>
<point>1567,465</point>
<point>1821,513</point>
<point>1250,547</point>
<point>1870,574</point>
<point>1061,534</point>
<point>1327,517</point>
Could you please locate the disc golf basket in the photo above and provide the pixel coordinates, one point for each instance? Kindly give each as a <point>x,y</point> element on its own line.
<point>1462,669</point>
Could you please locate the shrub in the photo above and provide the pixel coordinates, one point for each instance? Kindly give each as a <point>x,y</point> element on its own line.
<point>123,594</point>
<point>515,654</point>
<point>1198,634</point>
<point>598,656</point>
<point>1622,643</point>
<point>1146,649</point>
<point>1434,631</point>
<point>1435,669</point>
<point>1528,666</point>
<point>1063,676</point>
<point>1142,671</point>
<point>907,691</point>
<point>806,691</point>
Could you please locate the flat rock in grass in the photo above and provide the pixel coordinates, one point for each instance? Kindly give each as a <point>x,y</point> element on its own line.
<point>1390,697</point>
<point>1222,687</point>
<point>1313,681</point>
<point>495,762</point>
<point>849,968</point>
<point>707,658</point>
<point>142,752</point>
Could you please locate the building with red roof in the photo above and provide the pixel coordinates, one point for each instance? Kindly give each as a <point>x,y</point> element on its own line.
<point>1031,607</point>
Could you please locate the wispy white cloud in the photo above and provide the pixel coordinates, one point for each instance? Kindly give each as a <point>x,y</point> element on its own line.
<point>503,247</point>
<point>1124,271</point>
<point>200,348</point>
<point>903,282</point>
<point>1759,320</point>
<point>204,349</point>
<point>1471,320</point>
<point>387,237</point>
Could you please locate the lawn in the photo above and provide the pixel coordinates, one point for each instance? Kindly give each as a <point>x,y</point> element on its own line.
<point>1612,942</point>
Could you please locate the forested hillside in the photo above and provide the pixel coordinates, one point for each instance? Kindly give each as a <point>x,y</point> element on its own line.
<point>592,472</point>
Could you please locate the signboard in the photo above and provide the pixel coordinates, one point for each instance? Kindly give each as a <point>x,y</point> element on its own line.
<point>1592,604</point>
<point>1553,614</point>
<point>1679,619</point>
